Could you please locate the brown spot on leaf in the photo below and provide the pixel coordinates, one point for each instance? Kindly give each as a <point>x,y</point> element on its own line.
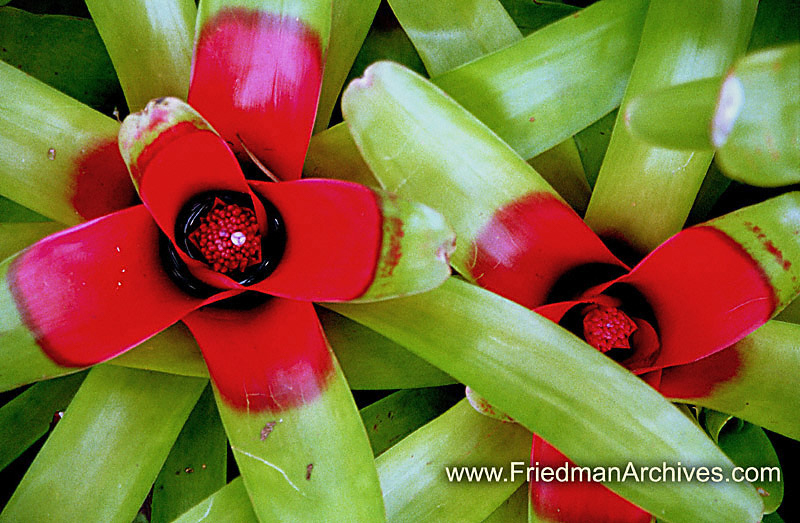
<point>267,430</point>
<point>532,119</point>
<point>309,468</point>
<point>188,470</point>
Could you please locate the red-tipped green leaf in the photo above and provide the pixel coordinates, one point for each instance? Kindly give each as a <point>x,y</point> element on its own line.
<point>58,156</point>
<point>173,154</point>
<point>707,305</point>
<point>770,233</point>
<point>150,44</point>
<point>529,244</point>
<point>98,289</point>
<point>414,138</point>
<point>291,421</point>
<point>574,501</point>
<point>345,241</point>
<point>507,218</point>
<point>257,73</point>
<point>103,456</point>
<point>754,379</point>
<point>702,305</point>
<point>269,358</point>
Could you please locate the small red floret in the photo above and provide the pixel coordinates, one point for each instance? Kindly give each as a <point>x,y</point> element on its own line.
<point>606,328</point>
<point>228,238</point>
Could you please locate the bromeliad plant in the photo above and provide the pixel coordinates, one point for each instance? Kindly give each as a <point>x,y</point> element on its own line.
<point>549,379</point>
<point>674,318</point>
<point>237,260</point>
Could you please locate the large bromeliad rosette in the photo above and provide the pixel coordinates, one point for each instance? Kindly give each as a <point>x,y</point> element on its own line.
<point>238,260</point>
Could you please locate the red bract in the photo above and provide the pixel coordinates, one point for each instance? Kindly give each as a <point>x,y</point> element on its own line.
<point>669,319</point>
<point>238,260</point>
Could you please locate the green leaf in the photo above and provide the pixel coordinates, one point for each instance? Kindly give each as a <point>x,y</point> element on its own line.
<point>530,16</point>
<point>748,446</point>
<point>512,510</point>
<point>425,147</point>
<point>10,211</point>
<point>751,117</point>
<point>562,168</point>
<point>349,27</point>
<point>394,417</point>
<point>677,117</point>
<point>413,472</point>
<point>791,313</point>
<point>150,43</point>
<point>373,362</point>
<point>511,90</point>
<point>196,466</point>
<point>592,143</point>
<point>46,140</point>
<point>103,456</point>
<point>230,504</point>
<point>173,351</point>
<point>28,417</point>
<point>307,463</point>
<point>644,193</point>
<point>714,184</point>
<point>64,52</point>
<point>764,389</point>
<point>542,90</point>
<point>16,236</point>
<point>756,126</point>
<point>528,367</point>
<point>768,231</point>
<point>776,24</point>
<point>449,33</point>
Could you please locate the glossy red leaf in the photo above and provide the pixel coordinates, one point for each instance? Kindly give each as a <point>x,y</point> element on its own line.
<point>706,292</point>
<point>173,155</point>
<point>256,77</point>
<point>529,244</point>
<point>333,239</point>
<point>575,502</point>
<point>272,357</point>
<point>98,289</point>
